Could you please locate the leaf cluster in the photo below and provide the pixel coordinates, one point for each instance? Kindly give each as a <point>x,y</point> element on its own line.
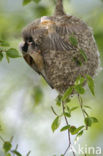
<point>9,150</point>
<point>6,50</point>
<point>63,101</point>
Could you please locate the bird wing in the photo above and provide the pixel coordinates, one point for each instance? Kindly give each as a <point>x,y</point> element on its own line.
<point>59,44</point>
<point>70,25</point>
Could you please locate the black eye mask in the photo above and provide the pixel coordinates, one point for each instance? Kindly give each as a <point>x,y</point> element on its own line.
<point>30,39</point>
<point>25,47</point>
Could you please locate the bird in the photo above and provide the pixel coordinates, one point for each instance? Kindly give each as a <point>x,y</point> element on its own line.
<point>60,48</point>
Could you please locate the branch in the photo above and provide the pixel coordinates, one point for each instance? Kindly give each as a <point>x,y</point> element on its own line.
<point>59,10</point>
<point>69,138</point>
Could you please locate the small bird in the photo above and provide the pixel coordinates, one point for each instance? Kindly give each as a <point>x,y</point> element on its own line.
<point>60,48</point>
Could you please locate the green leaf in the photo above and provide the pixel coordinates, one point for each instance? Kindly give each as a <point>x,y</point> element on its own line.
<point>16,153</point>
<point>1,56</point>
<point>80,80</point>
<point>4,43</point>
<point>72,130</point>
<point>87,107</point>
<point>79,89</point>
<point>41,10</point>
<point>94,120</point>
<point>77,61</point>
<point>7,146</point>
<point>58,100</point>
<point>67,93</point>
<point>68,109</point>
<point>67,114</point>
<point>83,54</point>
<point>79,134</point>
<point>8,154</point>
<point>25,2</point>
<point>36,1</point>
<point>73,40</point>
<point>90,84</point>
<point>81,127</point>
<point>37,95</point>
<point>78,129</point>
<point>13,53</point>
<point>55,123</point>
<point>67,100</point>
<point>65,128</point>
<point>88,121</point>
<point>74,108</point>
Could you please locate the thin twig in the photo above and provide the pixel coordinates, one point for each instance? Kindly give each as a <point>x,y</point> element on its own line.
<point>83,111</point>
<point>81,105</point>
<point>68,132</point>
<point>28,153</point>
<point>66,150</point>
<point>11,139</point>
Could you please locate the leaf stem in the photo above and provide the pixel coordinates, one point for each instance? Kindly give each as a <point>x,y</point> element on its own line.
<point>81,105</point>
<point>69,138</point>
<point>54,111</point>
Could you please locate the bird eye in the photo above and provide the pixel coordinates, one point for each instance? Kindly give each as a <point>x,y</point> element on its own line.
<point>30,40</point>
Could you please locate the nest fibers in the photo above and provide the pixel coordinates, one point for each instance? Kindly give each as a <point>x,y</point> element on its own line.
<point>66,46</point>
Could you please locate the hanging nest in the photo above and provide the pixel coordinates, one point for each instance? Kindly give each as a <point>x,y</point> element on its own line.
<point>66,46</point>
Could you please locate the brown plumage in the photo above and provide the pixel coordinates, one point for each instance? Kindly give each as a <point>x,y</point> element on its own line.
<point>60,48</point>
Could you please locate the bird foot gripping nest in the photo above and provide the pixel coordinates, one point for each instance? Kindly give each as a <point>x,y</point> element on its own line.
<point>60,48</point>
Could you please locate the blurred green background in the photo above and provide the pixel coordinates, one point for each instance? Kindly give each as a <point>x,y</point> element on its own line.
<point>25,98</point>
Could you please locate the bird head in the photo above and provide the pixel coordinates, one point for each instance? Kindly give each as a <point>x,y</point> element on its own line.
<point>32,39</point>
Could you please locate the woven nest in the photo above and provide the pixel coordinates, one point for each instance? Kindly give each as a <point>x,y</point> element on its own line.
<point>68,49</point>
<point>63,66</point>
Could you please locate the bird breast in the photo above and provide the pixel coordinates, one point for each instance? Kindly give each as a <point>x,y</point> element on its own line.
<point>38,59</point>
